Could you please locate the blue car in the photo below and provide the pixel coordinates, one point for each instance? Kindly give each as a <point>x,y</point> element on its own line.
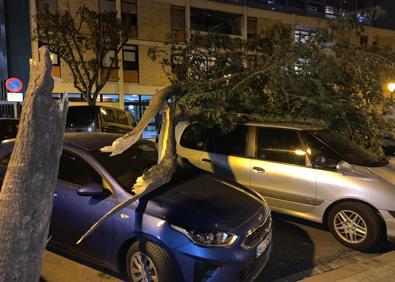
<point>198,227</point>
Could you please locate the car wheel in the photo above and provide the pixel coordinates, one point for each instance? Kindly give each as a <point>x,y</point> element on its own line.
<point>355,225</point>
<point>147,261</point>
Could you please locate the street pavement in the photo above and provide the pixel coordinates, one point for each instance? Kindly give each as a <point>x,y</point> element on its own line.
<point>300,249</point>
<point>380,268</point>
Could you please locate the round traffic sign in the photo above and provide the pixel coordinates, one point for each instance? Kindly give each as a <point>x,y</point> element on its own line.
<point>13,84</point>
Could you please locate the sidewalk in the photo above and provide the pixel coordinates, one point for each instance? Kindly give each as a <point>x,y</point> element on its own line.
<point>380,268</point>
<point>59,269</point>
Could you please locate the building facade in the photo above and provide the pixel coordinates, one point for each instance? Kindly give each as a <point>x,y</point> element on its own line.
<point>15,50</point>
<point>138,77</point>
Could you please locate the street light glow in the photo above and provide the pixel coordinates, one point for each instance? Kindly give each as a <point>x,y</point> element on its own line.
<point>391,87</point>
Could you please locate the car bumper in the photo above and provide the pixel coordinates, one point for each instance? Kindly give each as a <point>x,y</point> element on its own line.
<point>214,264</point>
<point>389,219</point>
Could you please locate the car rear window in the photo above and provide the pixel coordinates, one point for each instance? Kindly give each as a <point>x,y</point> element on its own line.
<point>78,117</point>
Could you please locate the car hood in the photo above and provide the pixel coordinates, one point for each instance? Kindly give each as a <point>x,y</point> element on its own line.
<point>387,172</point>
<point>204,202</point>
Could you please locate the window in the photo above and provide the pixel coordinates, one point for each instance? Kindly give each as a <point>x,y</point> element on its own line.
<point>314,7</point>
<point>321,156</point>
<point>330,12</point>
<point>194,137</point>
<point>251,62</point>
<point>130,57</point>
<point>108,115</point>
<point>129,165</point>
<point>122,117</point>
<point>77,171</point>
<point>107,6</point>
<point>51,4</point>
<point>280,145</point>
<point>298,4</point>
<point>231,143</point>
<point>178,23</point>
<point>129,15</point>
<point>81,117</point>
<point>363,40</point>
<point>251,27</point>
<point>302,36</point>
<point>215,21</point>
<point>346,149</point>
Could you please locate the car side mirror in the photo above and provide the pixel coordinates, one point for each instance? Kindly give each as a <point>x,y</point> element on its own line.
<point>92,189</point>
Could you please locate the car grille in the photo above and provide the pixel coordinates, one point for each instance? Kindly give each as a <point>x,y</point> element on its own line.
<point>257,234</point>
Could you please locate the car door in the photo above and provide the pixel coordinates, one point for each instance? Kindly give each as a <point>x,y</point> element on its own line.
<point>281,171</point>
<point>73,214</point>
<point>226,154</point>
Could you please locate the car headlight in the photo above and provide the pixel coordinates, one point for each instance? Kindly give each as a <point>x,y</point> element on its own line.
<point>208,238</point>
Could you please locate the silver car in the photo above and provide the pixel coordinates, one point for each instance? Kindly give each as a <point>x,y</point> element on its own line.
<point>304,171</point>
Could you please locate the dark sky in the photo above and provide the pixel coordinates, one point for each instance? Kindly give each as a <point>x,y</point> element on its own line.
<point>388,20</point>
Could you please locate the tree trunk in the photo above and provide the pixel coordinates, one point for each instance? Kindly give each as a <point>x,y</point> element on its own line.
<point>29,183</point>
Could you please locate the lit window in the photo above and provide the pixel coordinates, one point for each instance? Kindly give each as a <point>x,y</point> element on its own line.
<point>330,12</point>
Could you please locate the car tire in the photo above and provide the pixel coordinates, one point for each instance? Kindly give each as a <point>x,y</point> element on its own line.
<point>348,220</point>
<point>157,262</point>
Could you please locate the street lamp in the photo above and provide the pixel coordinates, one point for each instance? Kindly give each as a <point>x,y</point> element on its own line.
<point>391,88</point>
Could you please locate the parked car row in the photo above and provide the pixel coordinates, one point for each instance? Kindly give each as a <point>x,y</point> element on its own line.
<point>197,227</point>
<point>203,226</point>
<point>307,172</point>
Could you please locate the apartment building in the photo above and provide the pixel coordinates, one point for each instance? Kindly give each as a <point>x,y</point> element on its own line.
<point>138,78</point>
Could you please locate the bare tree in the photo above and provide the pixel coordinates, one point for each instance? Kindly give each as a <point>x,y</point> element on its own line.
<point>84,40</point>
<point>27,192</point>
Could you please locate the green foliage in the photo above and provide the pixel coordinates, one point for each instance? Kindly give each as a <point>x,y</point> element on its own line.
<point>83,39</point>
<point>326,81</point>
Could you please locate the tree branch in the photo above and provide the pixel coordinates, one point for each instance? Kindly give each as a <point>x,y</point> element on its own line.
<point>123,143</point>
<point>156,176</point>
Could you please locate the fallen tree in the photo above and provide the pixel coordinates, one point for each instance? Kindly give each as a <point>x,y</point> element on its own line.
<point>322,80</point>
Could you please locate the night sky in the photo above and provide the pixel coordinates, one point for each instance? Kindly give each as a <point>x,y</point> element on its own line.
<point>388,20</point>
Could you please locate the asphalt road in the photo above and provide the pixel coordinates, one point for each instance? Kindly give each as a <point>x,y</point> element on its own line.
<point>298,245</point>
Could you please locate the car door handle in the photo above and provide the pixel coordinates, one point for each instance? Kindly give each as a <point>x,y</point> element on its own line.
<point>206,160</point>
<point>258,169</point>
<point>55,194</point>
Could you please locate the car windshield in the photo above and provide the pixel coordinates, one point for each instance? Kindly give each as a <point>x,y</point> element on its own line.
<point>80,117</point>
<point>350,151</point>
<point>129,165</point>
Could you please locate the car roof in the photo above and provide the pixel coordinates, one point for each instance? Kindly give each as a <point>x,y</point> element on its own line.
<point>90,141</point>
<point>11,119</point>
<point>293,126</point>
<point>286,125</point>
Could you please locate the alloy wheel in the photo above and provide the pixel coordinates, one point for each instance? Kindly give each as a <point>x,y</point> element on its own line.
<point>350,226</point>
<point>142,268</point>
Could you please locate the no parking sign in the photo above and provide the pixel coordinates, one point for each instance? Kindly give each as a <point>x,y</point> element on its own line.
<point>13,84</point>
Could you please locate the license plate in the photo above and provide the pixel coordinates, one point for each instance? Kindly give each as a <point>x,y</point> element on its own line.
<point>261,248</point>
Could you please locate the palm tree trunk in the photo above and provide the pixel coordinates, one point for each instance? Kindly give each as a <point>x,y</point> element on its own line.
<point>29,183</point>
